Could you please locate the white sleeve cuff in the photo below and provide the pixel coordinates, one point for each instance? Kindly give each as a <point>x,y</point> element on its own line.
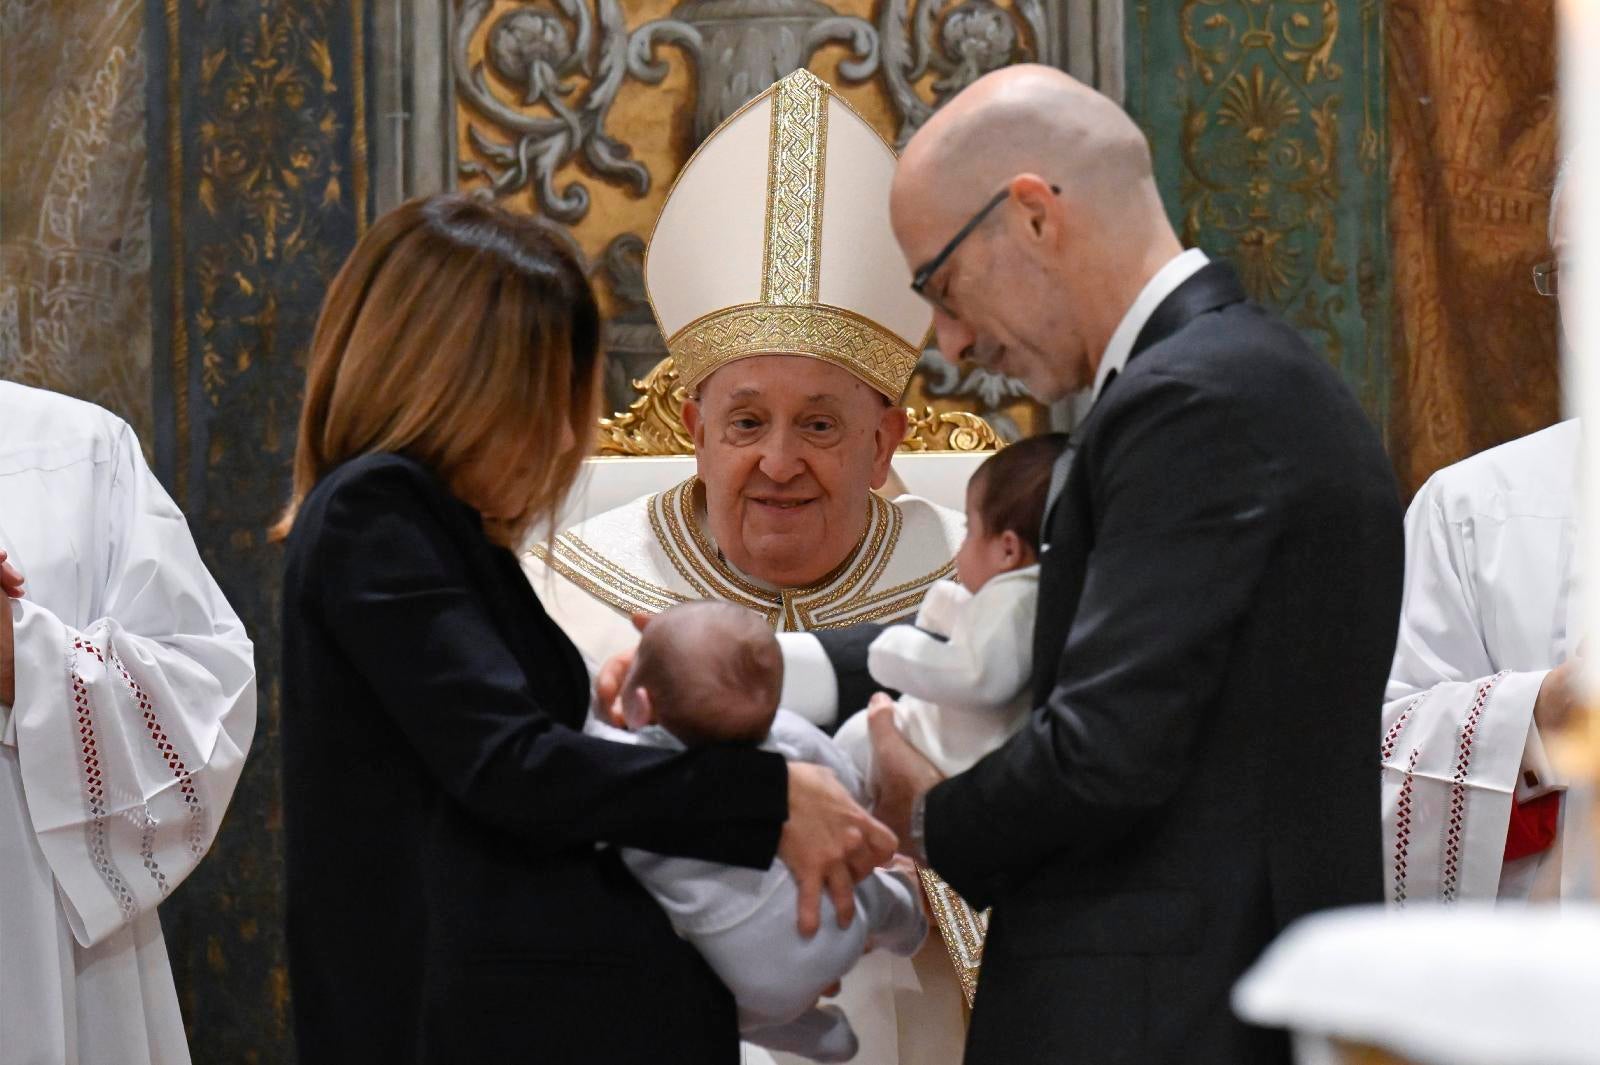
<point>810,687</point>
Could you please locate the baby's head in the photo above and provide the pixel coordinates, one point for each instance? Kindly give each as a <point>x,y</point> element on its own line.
<point>1005,509</point>
<point>706,672</point>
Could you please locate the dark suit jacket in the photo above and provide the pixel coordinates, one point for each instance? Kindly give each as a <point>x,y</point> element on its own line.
<point>447,900</point>
<point>1218,605</point>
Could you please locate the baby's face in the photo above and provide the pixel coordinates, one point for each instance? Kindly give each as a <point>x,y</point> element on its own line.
<point>984,555</point>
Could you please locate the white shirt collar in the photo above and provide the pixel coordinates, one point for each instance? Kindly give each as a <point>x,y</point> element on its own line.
<point>1179,268</point>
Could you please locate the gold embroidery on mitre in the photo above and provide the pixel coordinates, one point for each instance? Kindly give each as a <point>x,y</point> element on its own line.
<point>797,154</point>
<point>872,353</point>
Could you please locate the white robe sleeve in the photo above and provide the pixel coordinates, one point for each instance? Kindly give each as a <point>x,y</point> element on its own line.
<point>130,730</point>
<point>810,687</point>
<point>1454,727</point>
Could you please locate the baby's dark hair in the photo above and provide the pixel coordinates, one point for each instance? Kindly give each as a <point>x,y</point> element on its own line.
<point>713,671</point>
<point>1013,483</point>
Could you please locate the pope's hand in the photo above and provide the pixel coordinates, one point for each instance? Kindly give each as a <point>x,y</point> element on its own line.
<point>900,771</point>
<point>829,842</point>
<point>608,682</point>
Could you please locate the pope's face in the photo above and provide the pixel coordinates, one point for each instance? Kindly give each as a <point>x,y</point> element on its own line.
<point>789,449</point>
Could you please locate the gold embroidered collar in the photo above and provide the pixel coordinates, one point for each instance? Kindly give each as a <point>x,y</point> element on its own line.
<point>845,597</point>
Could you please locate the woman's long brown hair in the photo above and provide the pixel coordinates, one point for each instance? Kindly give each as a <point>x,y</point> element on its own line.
<point>459,334</point>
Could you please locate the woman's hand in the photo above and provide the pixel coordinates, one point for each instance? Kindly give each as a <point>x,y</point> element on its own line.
<point>613,672</point>
<point>828,842</point>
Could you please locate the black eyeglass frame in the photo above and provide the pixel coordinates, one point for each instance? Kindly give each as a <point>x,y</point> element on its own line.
<point>925,272</point>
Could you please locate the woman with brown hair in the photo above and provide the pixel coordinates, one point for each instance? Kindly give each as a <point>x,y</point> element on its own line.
<point>448,897</point>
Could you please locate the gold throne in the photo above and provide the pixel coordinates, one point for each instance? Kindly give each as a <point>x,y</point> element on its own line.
<point>653,424</point>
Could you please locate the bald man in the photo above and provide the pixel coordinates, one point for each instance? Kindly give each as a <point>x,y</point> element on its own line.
<point>1218,601</point>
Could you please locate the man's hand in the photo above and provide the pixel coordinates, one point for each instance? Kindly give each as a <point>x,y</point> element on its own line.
<point>1560,696</point>
<point>829,843</point>
<point>901,771</point>
<point>608,682</point>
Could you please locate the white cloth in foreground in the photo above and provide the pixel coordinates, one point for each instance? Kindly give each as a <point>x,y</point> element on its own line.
<point>1490,551</point>
<point>742,921</point>
<point>135,705</point>
<point>1474,984</point>
<point>962,670</point>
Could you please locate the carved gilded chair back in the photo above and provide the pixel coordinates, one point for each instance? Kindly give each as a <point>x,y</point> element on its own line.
<point>653,424</point>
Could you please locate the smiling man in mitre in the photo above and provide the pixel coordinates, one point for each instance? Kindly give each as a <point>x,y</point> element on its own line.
<point>788,312</point>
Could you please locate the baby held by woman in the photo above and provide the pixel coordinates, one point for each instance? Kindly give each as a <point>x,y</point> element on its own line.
<point>710,673</point>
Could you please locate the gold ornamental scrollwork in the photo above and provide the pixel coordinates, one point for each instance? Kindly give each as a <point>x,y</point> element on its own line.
<point>960,430</point>
<point>653,424</point>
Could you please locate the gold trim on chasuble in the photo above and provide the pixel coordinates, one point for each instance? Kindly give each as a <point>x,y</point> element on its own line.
<point>962,928</point>
<point>845,598</point>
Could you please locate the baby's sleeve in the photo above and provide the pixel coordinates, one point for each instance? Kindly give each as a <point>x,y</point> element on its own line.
<point>986,661</point>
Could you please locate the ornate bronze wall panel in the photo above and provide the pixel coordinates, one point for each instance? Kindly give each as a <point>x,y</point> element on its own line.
<point>1266,119</point>
<point>260,177</point>
<point>74,203</point>
<point>1472,119</point>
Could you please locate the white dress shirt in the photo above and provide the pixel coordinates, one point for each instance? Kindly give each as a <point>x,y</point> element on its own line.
<point>1179,268</point>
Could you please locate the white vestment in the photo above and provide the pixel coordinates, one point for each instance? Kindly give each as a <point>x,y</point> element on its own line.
<point>135,705</point>
<point>1490,546</point>
<point>656,552</point>
<point>962,672</point>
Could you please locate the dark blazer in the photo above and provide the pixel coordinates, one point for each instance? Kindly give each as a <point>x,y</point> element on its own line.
<point>1218,605</point>
<point>447,900</point>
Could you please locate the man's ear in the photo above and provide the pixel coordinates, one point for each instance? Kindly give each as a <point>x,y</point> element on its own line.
<point>693,422</point>
<point>891,431</point>
<point>1041,208</point>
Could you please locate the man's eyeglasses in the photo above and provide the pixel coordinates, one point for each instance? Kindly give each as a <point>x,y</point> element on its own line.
<point>925,272</point>
<point>1544,277</point>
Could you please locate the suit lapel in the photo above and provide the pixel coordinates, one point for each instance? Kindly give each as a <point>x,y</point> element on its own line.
<point>1069,520</point>
<point>1213,286</point>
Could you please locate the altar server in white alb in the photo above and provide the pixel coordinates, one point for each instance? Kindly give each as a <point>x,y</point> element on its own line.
<point>127,704</point>
<point>1486,658</point>
<point>963,669</point>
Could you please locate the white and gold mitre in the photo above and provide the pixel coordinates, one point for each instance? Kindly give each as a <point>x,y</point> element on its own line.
<point>775,239</point>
